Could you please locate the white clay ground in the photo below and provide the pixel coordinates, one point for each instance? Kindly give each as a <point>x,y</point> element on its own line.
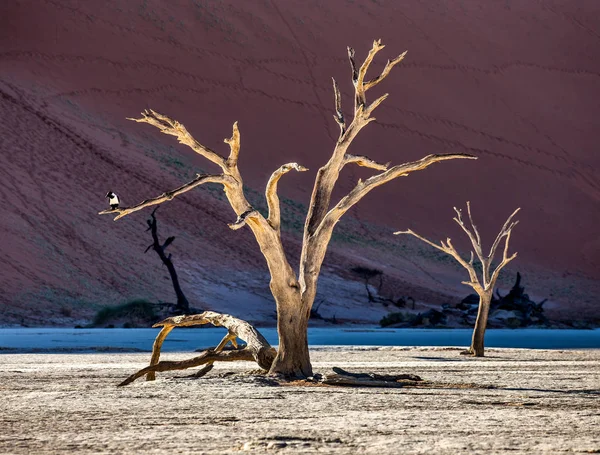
<point>543,402</point>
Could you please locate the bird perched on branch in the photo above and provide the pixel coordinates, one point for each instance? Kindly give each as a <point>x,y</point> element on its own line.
<point>113,200</point>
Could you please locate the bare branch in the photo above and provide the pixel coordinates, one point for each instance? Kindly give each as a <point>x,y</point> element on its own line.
<point>234,146</point>
<point>169,195</point>
<point>472,238</point>
<point>472,223</point>
<point>388,67</point>
<point>174,128</point>
<point>257,349</point>
<point>441,247</point>
<point>374,105</point>
<point>352,64</point>
<point>359,85</point>
<point>363,188</point>
<point>274,218</point>
<point>339,114</point>
<point>328,174</point>
<point>318,233</point>
<point>488,282</point>
<point>364,161</point>
<point>207,357</point>
<point>448,248</point>
<point>267,238</point>
<point>156,347</point>
<point>505,258</point>
<point>507,227</point>
<point>474,283</point>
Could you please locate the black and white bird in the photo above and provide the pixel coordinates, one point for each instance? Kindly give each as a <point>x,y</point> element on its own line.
<point>113,200</point>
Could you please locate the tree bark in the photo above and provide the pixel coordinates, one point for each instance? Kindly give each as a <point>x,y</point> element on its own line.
<point>292,359</point>
<point>477,341</point>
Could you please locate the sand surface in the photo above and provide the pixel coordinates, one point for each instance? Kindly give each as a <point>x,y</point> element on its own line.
<point>541,402</point>
<point>515,83</point>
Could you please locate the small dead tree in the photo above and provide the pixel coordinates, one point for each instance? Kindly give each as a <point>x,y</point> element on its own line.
<point>368,274</point>
<point>182,306</point>
<point>484,287</point>
<point>294,294</point>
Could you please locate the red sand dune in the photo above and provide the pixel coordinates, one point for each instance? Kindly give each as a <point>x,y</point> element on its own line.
<point>515,83</point>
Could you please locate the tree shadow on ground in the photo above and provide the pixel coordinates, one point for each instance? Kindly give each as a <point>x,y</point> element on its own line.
<point>568,392</point>
<point>437,359</point>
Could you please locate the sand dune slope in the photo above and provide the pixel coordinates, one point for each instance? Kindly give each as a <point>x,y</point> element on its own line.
<point>514,83</point>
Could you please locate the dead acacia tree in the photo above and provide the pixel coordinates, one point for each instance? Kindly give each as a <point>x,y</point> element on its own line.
<point>367,274</point>
<point>294,294</point>
<point>484,287</point>
<point>183,305</point>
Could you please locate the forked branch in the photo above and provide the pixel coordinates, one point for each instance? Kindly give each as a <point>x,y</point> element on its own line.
<point>487,282</point>
<point>174,128</point>
<point>505,257</point>
<point>329,173</point>
<point>388,67</point>
<point>363,188</point>
<point>358,77</point>
<point>504,232</point>
<point>448,248</point>
<point>274,217</point>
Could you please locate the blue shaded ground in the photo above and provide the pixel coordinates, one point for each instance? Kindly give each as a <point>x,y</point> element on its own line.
<point>61,339</point>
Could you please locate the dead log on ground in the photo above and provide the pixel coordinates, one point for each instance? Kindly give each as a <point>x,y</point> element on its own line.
<point>257,347</point>
<point>340,377</point>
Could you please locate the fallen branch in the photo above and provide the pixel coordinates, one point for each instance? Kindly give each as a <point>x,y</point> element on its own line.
<point>340,377</point>
<point>257,347</point>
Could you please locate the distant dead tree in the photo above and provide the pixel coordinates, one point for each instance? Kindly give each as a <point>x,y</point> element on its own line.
<point>294,294</point>
<point>182,306</point>
<point>484,287</point>
<point>368,274</point>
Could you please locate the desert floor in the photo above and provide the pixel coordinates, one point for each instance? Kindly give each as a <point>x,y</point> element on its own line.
<point>513,401</point>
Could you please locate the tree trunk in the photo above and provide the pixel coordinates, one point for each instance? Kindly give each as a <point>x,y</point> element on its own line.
<point>293,359</point>
<point>477,342</point>
<point>183,306</point>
